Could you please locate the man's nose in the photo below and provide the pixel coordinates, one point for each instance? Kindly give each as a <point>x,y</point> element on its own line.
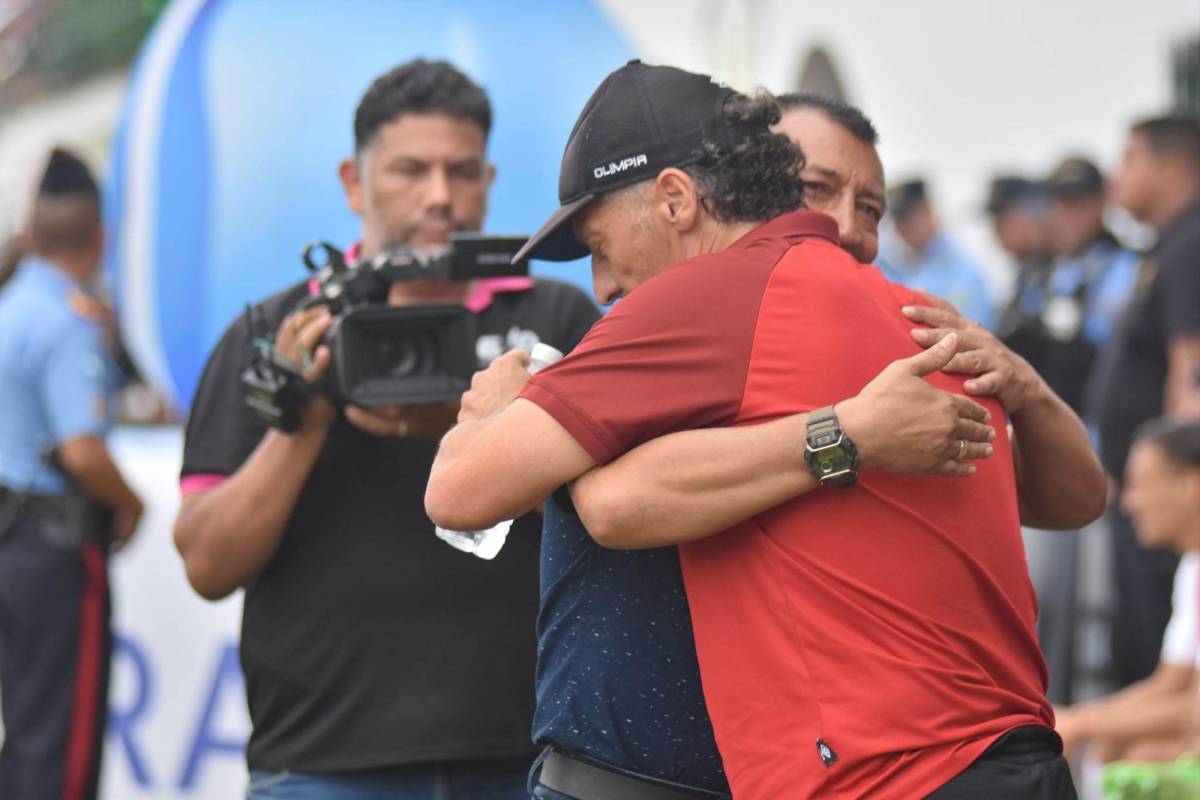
<point>604,286</point>
<point>849,232</point>
<point>437,190</point>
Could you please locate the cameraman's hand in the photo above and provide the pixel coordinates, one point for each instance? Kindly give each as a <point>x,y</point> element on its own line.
<point>299,341</point>
<point>998,371</point>
<point>426,420</point>
<point>902,424</point>
<point>495,387</point>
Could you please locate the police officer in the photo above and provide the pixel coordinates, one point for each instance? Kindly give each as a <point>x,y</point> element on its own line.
<point>1090,282</point>
<point>1018,208</point>
<point>63,501</point>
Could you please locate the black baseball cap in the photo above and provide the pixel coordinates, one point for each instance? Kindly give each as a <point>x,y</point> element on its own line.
<point>641,120</point>
<point>1075,177</point>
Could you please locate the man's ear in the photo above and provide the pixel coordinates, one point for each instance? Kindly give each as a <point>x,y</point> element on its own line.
<point>351,176</point>
<point>676,199</point>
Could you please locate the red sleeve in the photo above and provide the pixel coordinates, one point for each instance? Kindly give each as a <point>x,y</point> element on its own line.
<point>671,356</point>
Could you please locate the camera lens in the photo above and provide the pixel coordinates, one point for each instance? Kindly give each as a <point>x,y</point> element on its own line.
<point>400,356</point>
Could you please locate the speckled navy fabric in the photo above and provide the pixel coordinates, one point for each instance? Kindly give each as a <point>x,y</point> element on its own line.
<point>617,677</point>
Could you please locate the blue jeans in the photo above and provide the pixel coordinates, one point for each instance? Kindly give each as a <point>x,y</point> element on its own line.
<point>502,779</point>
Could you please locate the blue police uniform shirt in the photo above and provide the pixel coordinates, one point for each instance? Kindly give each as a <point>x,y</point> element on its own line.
<point>1102,277</point>
<point>617,677</point>
<point>943,269</point>
<point>56,372</point>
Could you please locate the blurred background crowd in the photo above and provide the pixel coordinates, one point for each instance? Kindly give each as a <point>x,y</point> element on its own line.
<point>1039,156</point>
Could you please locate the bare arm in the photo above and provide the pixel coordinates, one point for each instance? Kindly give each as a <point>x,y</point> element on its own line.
<point>692,484</point>
<point>500,466</point>
<point>227,534</point>
<point>1155,706</point>
<point>1060,482</point>
<point>86,459</point>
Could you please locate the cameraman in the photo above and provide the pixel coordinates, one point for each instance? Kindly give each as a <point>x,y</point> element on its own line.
<point>379,662</point>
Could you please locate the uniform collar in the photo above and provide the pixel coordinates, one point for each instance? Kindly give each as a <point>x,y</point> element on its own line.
<point>47,272</point>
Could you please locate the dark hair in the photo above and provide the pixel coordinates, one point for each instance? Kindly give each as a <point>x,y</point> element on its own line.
<point>1180,438</point>
<point>420,87</point>
<point>759,178</point>
<point>1174,135</point>
<point>849,117</point>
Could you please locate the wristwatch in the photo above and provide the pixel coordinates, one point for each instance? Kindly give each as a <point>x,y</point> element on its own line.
<point>831,457</point>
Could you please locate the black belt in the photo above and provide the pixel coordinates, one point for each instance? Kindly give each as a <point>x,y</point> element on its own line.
<point>29,501</point>
<point>68,520</point>
<point>585,781</point>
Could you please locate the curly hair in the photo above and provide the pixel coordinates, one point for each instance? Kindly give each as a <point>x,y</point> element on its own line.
<point>420,87</point>
<point>758,178</point>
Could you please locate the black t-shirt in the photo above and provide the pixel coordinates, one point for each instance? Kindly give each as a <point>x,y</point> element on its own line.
<point>1165,306</point>
<point>366,641</point>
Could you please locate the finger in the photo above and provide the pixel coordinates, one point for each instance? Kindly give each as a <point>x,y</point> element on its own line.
<point>520,356</point>
<point>969,409</point>
<point>312,330</point>
<point>374,424</point>
<point>975,451</point>
<point>933,359</point>
<point>297,319</point>
<point>971,362</point>
<point>935,317</point>
<point>972,431</point>
<point>984,385</point>
<point>390,413</point>
<point>956,469</point>
<point>939,302</point>
<point>320,363</point>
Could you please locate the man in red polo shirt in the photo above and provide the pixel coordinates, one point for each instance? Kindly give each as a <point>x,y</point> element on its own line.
<point>873,642</point>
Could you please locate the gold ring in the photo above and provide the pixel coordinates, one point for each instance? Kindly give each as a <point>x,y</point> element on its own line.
<point>962,449</point>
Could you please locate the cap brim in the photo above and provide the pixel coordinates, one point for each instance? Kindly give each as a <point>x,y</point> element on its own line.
<point>556,240</point>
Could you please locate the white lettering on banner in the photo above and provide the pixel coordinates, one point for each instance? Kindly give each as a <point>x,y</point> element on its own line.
<point>613,167</point>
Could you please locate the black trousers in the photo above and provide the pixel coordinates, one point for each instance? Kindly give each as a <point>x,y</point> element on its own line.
<point>1142,604</point>
<point>55,645</point>
<point>1025,763</point>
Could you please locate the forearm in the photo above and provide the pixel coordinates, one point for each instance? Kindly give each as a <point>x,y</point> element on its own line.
<point>1060,482</point>
<point>500,467</point>
<point>228,534</point>
<point>1153,716</point>
<point>89,464</point>
<point>685,486</point>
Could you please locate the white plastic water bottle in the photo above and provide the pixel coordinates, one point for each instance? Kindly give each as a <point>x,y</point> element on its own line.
<point>487,543</point>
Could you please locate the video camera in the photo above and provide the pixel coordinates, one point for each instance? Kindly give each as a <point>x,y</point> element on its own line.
<point>383,354</point>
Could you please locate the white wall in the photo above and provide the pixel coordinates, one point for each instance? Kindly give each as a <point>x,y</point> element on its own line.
<point>83,118</point>
<point>958,89</point>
